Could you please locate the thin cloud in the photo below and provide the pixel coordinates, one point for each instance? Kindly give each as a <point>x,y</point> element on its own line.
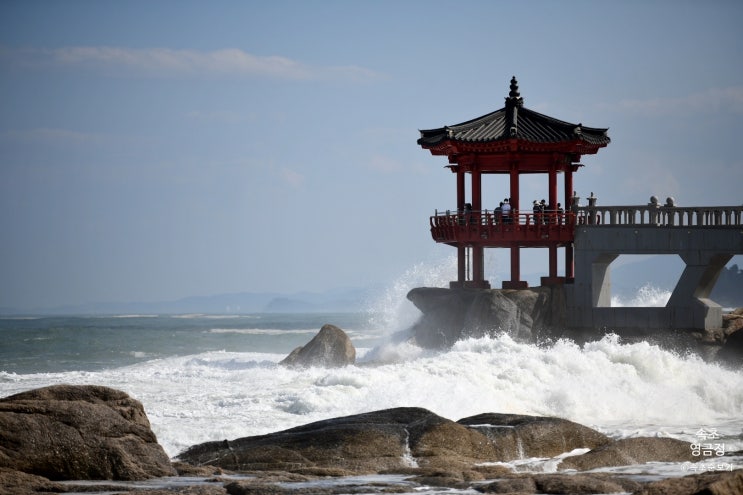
<point>291,177</point>
<point>166,62</point>
<point>711,100</point>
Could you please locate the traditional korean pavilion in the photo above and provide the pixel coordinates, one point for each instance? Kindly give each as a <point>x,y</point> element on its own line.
<point>513,140</point>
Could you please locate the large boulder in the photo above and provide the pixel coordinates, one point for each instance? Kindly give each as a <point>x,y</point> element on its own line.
<point>391,439</point>
<point>67,432</point>
<point>330,348</point>
<point>517,436</point>
<point>630,451</point>
<point>397,440</point>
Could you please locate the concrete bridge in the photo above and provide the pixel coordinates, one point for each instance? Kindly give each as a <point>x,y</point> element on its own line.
<point>705,238</point>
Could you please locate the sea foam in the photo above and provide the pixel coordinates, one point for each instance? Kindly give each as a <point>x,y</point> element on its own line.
<point>620,388</point>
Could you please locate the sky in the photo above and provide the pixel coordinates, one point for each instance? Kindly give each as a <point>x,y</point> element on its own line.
<point>153,150</point>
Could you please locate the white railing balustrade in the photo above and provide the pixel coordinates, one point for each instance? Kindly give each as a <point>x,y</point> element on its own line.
<point>660,216</point>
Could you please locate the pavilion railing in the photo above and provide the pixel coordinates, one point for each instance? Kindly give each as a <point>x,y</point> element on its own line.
<point>661,216</point>
<point>490,218</point>
<point>490,228</point>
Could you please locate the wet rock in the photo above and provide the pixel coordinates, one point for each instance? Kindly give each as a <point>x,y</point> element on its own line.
<point>14,482</point>
<point>330,348</point>
<point>442,321</point>
<point>67,432</point>
<point>732,350</point>
<point>522,484</point>
<point>361,444</point>
<point>715,483</point>
<point>450,315</point>
<point>631,451</point>
<point>504,311</point>
<point>519,436</point>
<point>561,484</point>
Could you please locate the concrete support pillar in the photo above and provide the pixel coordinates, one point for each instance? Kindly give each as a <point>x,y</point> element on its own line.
<point>601,280</point>
<point>699,276</point>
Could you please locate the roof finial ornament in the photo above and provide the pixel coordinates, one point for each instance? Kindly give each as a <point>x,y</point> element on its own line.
<point>514,97</point>
<point>514,88</point>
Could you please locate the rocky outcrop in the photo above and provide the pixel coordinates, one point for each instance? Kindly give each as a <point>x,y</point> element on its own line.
<point>732,348</point>
<point>518,436</point>
<point>631,451</point>
<point>359,444</point>
<point>578,484</point>
<point>14,482</point>
<point>450,315</point>
<point>397,439</point>
<point>69,432</point>
<point>87,432</point>
<point>330,348</point>
<point>717,483</point>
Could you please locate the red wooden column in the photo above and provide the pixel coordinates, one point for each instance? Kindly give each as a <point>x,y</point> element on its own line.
<point>461,250</point>
<point>515,282</point>
<point>569,263</point>
<point>553,186</point>
<point>553,206</point>
<point>460,189</point>
<point>514,190</point>
<point>478,252</point>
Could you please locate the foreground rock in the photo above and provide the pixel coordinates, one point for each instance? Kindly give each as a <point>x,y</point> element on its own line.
<point>561,484</point>
<point>330,348</point>
<point>518,436</point>
<point>631,451</point>
<point>67,432</point>
<point>732,349</point>
<point>396,440</point>
<point>717,483</point>
<point>360,444</point>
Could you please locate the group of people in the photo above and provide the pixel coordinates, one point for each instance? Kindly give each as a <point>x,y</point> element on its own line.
<point>543,214</point>
<point>505,213</point>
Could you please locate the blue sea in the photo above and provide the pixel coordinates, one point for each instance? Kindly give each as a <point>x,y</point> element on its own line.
<point>212,377</point>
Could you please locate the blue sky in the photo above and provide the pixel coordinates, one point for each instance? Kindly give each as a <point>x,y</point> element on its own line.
<point>152,150</point>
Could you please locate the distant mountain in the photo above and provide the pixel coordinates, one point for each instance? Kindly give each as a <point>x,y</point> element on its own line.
<point>337,300</point>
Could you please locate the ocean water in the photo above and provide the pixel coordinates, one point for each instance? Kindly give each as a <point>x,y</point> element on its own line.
<point>208,377</point>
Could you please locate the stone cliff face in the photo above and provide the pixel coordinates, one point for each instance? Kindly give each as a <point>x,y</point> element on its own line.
<point>453,314</point>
